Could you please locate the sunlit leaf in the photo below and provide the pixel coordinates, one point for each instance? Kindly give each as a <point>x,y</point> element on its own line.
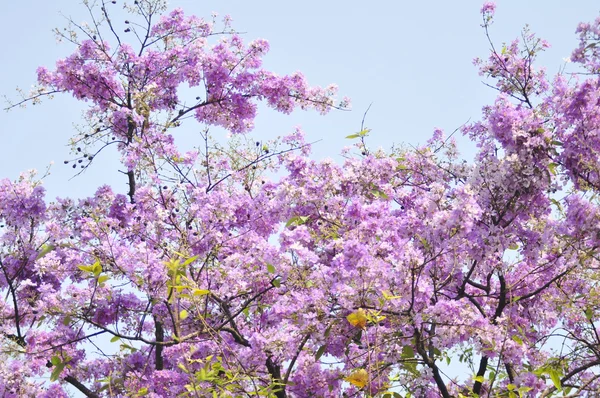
<point>86,268</point>
<point>555,376</point>
<point>182,367</point>
<point>388,295</point>
<point>359,378</point>
<point>97,268</point>
<point>189,261</point>
<point>183,314</point>
<point>358,318</point>
<point>362,133</point>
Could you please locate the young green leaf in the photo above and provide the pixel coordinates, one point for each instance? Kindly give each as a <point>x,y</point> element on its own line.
<point>57,371</point>
<point>555,376</point>
<point>45,250</point>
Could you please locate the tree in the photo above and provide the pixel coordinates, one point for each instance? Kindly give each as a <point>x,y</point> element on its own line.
<point>369,278</point>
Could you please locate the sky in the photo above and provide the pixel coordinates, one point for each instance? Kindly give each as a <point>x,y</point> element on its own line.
<point>411,60</point>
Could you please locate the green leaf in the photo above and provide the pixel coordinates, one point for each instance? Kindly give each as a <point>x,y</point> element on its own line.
<point>142,391</point>
<point>320,352</point>
<point>362,133</point>
<point>114,339</point>
<point>189,261</point>
<point>408,352</point>
<point>589,313</point>
<point>201,292</point>
<point>514,246</point>
<point>55,360</point>
<point>297,220</point>
<point>45,250</point>
<point>552,168</point>
<point>411,367</point>
<point>479,379</point>
<point>511,387</point>
<point>86,268</point>
<point>379,194</point>
<point>517,339</point>
<point>523,390</point>
<point>270,268</point>
<point>555,376</point>
<point>276,282</point>
<point>97,268</point>
<point>57,371</point>
<point>183,314</point>
<point>182,367</point>
<point>125,346</point>
<point>556,203</point>
<point>103,278</point>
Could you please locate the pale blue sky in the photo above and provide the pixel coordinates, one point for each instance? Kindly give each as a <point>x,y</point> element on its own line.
<point>412,60</point>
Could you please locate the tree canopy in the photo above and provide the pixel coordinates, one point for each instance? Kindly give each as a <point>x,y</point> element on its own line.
<point>249,269</point>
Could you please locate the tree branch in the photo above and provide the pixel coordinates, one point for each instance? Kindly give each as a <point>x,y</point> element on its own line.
<point>78,385</point>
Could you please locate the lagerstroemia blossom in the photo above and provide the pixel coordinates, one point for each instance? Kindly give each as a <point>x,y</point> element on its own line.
<point>369,278</point>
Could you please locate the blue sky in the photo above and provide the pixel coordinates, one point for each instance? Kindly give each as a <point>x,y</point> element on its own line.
<point>412,60</point>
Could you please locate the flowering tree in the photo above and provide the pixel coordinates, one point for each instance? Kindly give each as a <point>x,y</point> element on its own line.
<point>371,278</point>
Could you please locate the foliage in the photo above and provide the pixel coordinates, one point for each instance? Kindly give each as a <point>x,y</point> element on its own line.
<point>368,278</point>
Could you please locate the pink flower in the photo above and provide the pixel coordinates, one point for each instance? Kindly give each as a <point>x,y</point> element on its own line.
<point>489,7</point>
